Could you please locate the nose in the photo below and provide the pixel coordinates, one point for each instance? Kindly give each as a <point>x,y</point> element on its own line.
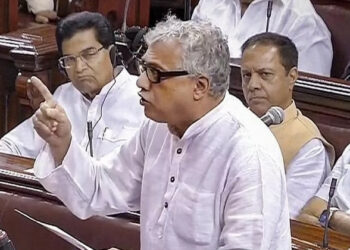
<point>143,82</point>
<point>254,82</point>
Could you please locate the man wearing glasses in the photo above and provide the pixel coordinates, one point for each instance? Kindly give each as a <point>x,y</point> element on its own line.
<point>97,93</point>
<point>204,171</point>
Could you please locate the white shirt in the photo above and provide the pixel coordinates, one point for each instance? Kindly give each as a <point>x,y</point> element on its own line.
<point>305,175</point>
<point>221,186</point>
<point>341,171</point>
<point>296,19</point>
<point>121,116</point>
<point>36,6</point>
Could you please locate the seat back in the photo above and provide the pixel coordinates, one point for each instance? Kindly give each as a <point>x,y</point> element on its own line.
<point>336,15</point>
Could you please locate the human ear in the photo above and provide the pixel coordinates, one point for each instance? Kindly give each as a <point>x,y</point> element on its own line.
<point>201,87</point>
<point>293,76</point>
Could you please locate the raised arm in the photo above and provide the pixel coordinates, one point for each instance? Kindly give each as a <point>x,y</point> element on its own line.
<point>51,123</point>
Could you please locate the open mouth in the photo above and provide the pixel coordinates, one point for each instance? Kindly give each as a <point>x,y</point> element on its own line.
<point>143,101</point>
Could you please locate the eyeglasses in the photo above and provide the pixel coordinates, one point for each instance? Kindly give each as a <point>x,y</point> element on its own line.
<point>86,55</point>
<point>155,75</point>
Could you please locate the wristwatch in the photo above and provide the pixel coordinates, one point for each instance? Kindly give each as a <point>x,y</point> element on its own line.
<point>323,217</point>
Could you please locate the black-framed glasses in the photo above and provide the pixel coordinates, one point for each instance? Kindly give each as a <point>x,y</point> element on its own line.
<point>155,75</point>
<point>87,55</point>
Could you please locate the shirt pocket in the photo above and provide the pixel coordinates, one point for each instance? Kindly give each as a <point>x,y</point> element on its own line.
<point>115,137</point>
<point>193,217</point>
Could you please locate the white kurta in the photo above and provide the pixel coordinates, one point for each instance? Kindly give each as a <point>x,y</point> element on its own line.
<point>221,186</point>
<point>341,170</point>
<point>121,116</point>
<point>36,6</point>
<point>296,19</point>
<point>305,175</point>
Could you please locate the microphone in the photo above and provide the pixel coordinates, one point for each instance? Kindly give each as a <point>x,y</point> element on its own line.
<point>331,193</point>
<point>268,14</point>
<point>5,242</point>
<point>130,43</point>
<point>274,116</point>
<point>89,128</point>
<point>335,175</point>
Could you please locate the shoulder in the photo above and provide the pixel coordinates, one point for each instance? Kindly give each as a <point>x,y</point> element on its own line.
<point>249,132</point>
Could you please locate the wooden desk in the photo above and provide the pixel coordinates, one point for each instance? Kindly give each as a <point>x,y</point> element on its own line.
<point>306,236</point>
<point>99,232</point>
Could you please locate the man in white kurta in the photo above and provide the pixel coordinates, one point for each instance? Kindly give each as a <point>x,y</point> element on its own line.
<point>269,72</point>
<point>215,183</point>
<point>295,19</point>
<point>116,108</point>
<point>98,92</point>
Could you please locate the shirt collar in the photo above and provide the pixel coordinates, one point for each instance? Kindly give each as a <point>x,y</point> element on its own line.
<point>207,120</point>
<point>290,112</point>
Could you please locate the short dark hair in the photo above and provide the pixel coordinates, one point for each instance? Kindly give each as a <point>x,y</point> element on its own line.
<point>81,21</point>
<point>287,50</point>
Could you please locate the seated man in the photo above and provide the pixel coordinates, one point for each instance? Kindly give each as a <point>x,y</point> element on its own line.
<point>205,172</point>
<point>97,93</point>
<point>339,218</point>
<point>269,71</point>
<point>241,19</point>
<point>42,9</point>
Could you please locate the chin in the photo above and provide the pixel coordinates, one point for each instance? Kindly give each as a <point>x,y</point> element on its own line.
<point>154,117</point>
<point>258,111</point>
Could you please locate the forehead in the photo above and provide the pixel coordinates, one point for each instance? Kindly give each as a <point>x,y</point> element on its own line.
<point>79,41</point>
<point>164,54</point>
<point>261,55</point>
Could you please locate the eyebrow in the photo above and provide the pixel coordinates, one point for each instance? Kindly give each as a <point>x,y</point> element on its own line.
<point>153,65</point>
<point>92,47</point>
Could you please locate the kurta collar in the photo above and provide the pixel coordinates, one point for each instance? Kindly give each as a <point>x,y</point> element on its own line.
<point>207,120</point>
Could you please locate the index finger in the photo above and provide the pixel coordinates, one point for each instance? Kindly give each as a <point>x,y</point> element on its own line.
<point>41,87</point>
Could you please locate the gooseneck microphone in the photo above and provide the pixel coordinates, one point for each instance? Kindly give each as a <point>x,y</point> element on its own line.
<point>330,196</point>
<point>89,130</point>
<point>274,116</point>
<point>268,14</point>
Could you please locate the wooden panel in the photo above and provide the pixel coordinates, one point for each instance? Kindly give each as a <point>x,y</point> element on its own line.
<point>8,15</point>
<point>138,13</point>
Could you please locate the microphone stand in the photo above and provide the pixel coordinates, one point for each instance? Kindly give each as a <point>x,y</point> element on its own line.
<point>331,193</point>
<point>89,128</point>
<point>268,14</point>
<point>187,10</point>
<point>126,8</point>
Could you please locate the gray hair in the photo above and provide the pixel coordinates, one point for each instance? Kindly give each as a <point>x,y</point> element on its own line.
<point>205,49</point>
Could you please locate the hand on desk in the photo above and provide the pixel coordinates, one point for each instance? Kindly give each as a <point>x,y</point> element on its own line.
<point>46,16</point>
<point>51,122</point>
